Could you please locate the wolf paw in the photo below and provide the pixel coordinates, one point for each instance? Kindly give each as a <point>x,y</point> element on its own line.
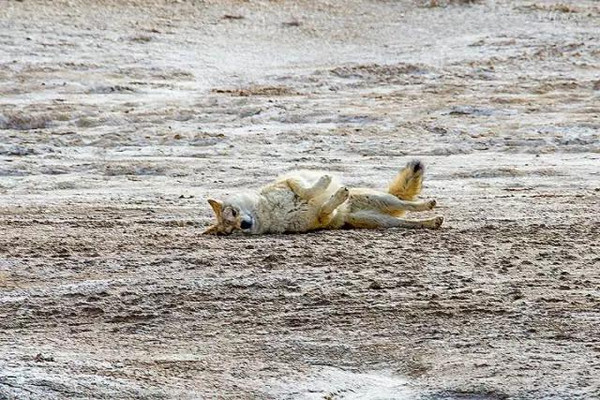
<point>325,180</point>
<point>437,222</point>
<point>431,204</point>
<point>343,193</point>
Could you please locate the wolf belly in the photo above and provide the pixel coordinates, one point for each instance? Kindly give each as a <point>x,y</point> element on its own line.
<point>283,211</point>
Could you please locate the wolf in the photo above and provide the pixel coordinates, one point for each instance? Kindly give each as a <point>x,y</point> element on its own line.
<point>303,201</point>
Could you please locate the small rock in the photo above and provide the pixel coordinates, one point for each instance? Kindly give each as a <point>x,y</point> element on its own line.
<point>41,358</point>
<point>375,285</point>
<point>292,24</point>
<point>272,258</point>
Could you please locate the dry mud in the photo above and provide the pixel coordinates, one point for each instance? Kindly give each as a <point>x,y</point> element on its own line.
<point>118,120</point>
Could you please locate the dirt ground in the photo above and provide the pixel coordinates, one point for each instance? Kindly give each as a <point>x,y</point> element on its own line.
<point>118,119</point>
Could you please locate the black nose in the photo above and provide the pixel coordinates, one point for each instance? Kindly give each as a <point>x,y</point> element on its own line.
<point>246,224</point>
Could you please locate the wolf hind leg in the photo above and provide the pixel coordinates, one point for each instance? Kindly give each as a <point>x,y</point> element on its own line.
<point>389,203</point>
<point>308,193</point>
<point>375,220</point>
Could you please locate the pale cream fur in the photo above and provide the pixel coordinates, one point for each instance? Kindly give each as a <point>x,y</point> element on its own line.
<point>302,201</point>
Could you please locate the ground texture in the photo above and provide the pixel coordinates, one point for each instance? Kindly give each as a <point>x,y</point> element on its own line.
<point>118,119</point>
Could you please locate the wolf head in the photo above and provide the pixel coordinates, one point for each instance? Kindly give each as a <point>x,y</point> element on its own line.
<point>232,216</point>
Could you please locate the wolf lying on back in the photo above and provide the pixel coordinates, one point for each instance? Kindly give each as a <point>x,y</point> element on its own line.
<point>307,200</point>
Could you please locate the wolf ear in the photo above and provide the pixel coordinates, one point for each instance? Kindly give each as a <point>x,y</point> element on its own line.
<point>217,206</point>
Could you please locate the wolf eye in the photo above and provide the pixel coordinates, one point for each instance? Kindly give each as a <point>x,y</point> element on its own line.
<point>233,212</point>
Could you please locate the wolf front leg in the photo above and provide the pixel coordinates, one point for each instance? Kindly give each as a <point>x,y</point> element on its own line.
<point>389,203</point>
<point>336,200</point>
<point>308,193</point>
<point>375,220</point>
<point>327,211</point>
<point>211,230</point>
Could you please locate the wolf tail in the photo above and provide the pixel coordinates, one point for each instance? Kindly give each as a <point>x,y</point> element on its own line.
<point>409,181</point>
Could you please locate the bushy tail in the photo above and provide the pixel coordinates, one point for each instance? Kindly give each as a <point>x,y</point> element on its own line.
<point>409,181</point>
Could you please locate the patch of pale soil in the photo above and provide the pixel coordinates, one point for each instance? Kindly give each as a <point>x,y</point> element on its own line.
<point>119,119</point>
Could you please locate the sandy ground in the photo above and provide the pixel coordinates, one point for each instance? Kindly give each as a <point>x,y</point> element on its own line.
<point>119,119</point>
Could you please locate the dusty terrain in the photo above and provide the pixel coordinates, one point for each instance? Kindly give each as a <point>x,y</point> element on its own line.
<point>118,119</point>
